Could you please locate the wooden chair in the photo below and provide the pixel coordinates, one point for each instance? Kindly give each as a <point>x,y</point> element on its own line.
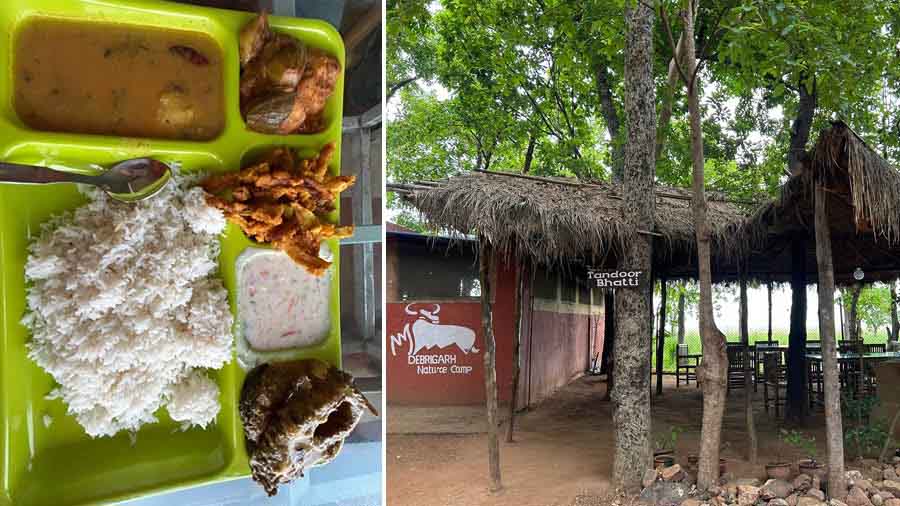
<point>685,366</point>
<point>757,351</point>
<point>847,346</point>
<point>736,355</point>
<point>775,383</point>
<point>876,348</point>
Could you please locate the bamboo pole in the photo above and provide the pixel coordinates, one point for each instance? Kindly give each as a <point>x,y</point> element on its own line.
<point>752,445</point>
<point>490,363</point>
<point>521,275</point>
<point>837,488</point>
<point>661,336</point>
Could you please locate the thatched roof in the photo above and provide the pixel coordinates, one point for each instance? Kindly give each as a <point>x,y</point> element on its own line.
<point>863,212</point>
<point>560,221</point>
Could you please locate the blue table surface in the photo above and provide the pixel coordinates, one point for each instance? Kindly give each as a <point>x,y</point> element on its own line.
<point>352,479</point>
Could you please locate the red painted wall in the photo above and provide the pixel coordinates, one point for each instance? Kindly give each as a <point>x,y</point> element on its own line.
<point>559,350</point>
<point>438,375</point>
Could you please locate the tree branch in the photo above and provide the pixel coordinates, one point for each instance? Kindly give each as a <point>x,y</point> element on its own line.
<point>393,88</point>
<point>665,19</point>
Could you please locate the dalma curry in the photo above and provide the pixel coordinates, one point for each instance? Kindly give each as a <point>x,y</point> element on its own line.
<point>111,79</point>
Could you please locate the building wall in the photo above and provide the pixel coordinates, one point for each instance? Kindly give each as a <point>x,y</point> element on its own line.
<point>557,343</point>
<point>445,373</point>
<point>560,347</point>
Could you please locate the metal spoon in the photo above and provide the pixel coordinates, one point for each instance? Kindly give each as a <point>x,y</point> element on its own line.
<point>128,181</point>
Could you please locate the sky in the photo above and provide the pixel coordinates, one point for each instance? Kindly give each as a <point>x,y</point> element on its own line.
<point>757,315</point>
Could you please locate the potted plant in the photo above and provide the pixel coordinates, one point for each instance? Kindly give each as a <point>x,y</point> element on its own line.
<point>807,445</point>
<point>665,447</point>
<point>780,468</point>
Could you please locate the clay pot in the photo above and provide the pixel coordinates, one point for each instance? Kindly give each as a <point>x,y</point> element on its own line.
<point>663,461</point>
<point>814,468</point>
<point>693,462</point>
<point>779,470</point>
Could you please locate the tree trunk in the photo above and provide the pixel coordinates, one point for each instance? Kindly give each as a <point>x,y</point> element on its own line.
<point>665,113</point>
<point>680,317</point>
<point>834,431</point>
<point>609,341</point>
<point>752,445</point>
<point>796,402</point>
<point>611,118</point>
<point>490,363</point>
<point>853,320</point>
<point>769,293</point>
<point>802,124</point>
<point>529,154</point>
<point>661,336</point>
<point>895,323</point>
<point>712,372</point>
<point>634,306</point>
<point>523,274</point>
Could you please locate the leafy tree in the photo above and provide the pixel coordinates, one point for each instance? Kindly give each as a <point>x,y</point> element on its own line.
<point>873,307</point>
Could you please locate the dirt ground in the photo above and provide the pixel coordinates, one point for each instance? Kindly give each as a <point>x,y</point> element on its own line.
<point>563,451</point>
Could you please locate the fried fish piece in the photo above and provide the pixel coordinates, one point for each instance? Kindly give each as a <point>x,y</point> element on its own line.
<point>279,66</point>
<point>296,416</point>
<point>284,85</point>
<point>282,200</point>
<point>252,38</point>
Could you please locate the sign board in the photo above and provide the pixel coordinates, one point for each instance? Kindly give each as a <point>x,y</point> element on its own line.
<point>614,278</point>
<point>431,346</point>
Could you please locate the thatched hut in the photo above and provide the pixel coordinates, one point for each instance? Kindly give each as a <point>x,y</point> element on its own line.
<point>842,184</point>
<point>863,214</point>
<point>563,222</point>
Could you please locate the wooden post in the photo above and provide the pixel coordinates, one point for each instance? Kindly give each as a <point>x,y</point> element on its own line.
<point>895,321</point>
<point>521,276</point>
<point>796,401</point>
<point>748,377</point>
<point>834,438</point>
<point>490,363</point>
<point>769,293</point>
<point>661,336</point>
<point>609,340</point>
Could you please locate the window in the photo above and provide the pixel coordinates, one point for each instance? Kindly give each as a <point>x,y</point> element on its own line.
<point>568,290</point>
<point>429,271</point>
<point>545,284</point>
<point>584,292</point>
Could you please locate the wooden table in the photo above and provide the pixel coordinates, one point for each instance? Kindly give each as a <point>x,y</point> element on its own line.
<point>814,367</point>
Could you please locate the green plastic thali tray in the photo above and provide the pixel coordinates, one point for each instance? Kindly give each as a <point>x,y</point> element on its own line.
<point>60,465</point>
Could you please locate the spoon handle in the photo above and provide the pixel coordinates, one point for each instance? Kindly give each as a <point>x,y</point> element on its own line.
<point>16,173</point>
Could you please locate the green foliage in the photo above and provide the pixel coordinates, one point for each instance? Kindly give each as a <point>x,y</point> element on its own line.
<point>858,410</point>
<point>667,441</point>
<point>868,440</point>
<point>863,434</point>
<point>800,441</point>
<point>495,76</point>
<point>873,307</point>
<point>411,42</point>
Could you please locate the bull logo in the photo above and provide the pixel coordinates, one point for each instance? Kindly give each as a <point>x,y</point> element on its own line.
<point>427,332</point>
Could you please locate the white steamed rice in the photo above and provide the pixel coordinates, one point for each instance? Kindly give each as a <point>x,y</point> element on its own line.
<point>126,309</point>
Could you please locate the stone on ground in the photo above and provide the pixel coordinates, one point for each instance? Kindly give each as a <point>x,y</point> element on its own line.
<point>857,497</point>
<point>672,473</point>
<point>777,489</point>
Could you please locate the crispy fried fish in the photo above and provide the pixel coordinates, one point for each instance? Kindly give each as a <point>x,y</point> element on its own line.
<point>296,416</point>
<point>282,200</point>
